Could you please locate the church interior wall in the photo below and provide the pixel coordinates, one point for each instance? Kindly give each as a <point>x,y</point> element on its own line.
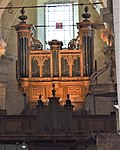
<point>13,94</point>
<point>14,102</point>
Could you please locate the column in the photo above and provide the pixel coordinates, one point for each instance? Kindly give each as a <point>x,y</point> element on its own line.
<point>55,47</point>
<point>116,15</point>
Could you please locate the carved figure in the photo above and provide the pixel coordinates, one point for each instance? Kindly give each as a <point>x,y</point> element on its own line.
<point>110,60</point>
<point>109,65</point>
<point>36,44</point>
<point>72,44</point>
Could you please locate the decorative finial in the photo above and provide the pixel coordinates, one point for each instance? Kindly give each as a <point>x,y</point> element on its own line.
<point>68,101</point>
<point>53,90</point>
<point>40,97</point>
<point>86,9</point>
<point>23,17</point>
<point>40,102</point>
<point>68,96</point>
<point>86,15</point>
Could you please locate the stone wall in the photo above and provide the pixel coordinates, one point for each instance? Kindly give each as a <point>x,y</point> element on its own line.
<point>108,141</point>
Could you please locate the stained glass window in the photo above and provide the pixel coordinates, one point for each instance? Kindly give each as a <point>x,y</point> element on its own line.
<point>59,23</point>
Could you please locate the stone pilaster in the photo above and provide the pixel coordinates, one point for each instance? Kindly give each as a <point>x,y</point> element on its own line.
<point>4,62</point>
<point>116,15</point>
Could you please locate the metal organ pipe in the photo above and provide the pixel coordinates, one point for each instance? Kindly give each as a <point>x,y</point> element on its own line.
<point>86,34</point>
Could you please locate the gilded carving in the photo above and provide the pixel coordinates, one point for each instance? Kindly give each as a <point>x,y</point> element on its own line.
<point>72,44</point>
<point>43,65</point>
<point>40,59</point>
<point>76,92</point>
<point>36,44</point>
<point>36,91</point>
<point>109,65</point>
<point>70,58</point>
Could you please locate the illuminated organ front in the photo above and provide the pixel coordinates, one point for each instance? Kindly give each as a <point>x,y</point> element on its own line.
<point>69,69</point>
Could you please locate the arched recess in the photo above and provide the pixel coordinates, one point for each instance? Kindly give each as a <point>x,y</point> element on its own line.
<point>3,3</point>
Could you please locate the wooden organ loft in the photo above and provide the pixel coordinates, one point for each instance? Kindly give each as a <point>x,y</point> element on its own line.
<point>69,69</point>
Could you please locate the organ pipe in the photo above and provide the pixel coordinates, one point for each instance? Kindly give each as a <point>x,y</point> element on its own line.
<point>24,45</point>
<point>86,35</point>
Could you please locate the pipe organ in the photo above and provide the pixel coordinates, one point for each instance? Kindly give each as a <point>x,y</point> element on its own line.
<point>86,34</point>
<point>24,45</point>
<point>69,69</point>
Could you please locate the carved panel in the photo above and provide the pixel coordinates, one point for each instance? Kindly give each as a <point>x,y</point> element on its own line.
<point>13,126</point>
<point>35,68</point>
<point>75,92</point>
<point>67,61</point>
<point>69,58</point>
<point>40,65</point>
<point>76,67</point>
<point>92,125</point>
<point>64,67</point>
<point>36,91</point>
<point>46,68</point>
<point>41,58</point>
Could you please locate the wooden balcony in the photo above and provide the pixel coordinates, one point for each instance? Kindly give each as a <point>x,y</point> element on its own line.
<point>17,128</point>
